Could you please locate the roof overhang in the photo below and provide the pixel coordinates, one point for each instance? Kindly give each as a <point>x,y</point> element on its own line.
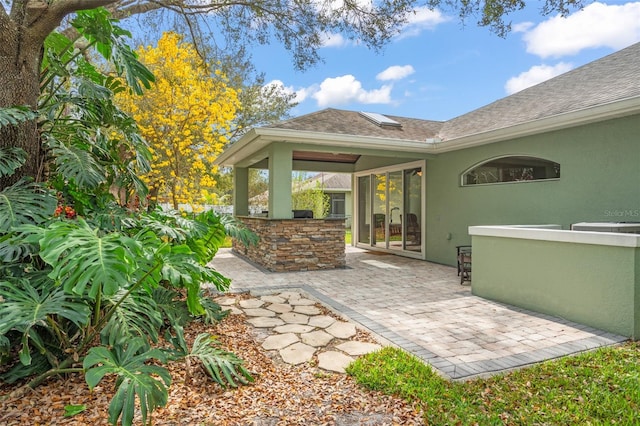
<point>609,111</point>
<point>250,149</point>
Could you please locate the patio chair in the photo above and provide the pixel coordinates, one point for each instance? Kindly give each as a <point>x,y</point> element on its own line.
<point>413,228</point>
<point>464,263</point>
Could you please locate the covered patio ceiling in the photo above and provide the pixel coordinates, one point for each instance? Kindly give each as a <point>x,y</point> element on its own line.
<point>314,151</point>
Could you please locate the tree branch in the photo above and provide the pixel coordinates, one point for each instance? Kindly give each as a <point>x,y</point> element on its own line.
<point>51,17</point>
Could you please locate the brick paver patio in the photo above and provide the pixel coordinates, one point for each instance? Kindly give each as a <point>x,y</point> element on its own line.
<point>422,307</point>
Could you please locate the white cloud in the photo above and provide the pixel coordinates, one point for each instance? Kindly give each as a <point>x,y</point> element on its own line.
<point>334,40</point>
<point>536,74</point>
<point>422,19</point>
<point>300,94</point>
<point>522,27</point>
<point>346,89</point>
<point>396,72</point>
<point>597,25</point>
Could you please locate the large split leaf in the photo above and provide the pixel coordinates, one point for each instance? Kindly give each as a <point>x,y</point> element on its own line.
<point>77,163</point>
<point>224,367</point>
<point>136,316</point>
<point>24,203</point>
<point>80,257</point>
<point>28,305</point>
<point>11,158</point>
<point>16,115</point>
<point>136,378</point>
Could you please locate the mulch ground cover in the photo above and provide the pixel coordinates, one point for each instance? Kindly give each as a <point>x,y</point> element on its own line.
<point>281,394</point>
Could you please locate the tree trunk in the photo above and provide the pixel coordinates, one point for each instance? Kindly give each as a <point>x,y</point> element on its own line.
<point>20,58</point>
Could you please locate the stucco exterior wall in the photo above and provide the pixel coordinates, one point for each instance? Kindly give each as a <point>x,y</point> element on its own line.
<point>295,244</point>
<point>597,284</point>
<point>599,182</point>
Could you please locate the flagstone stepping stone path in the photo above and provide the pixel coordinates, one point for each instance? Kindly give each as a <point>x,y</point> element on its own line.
<point>298,329</point>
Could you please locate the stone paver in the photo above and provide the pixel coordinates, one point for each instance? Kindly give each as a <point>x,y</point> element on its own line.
<point>293,328</point>
<point>280,341</point>
<point>306,309</point>
<point>294,318</point>
<point>321,321</point>
<point>358,348</point>
<point>273,299</point>
<point>280,308</point>
<point>251,303</point>
<point>419,306</point>
<point>226,301</point>
<point>316,338</point>
<point>259,312</point>
<point>264,322</point>
<point>301,301</point>
<point>341,330</point>
<point>334,361</point>
<point>297,353</point>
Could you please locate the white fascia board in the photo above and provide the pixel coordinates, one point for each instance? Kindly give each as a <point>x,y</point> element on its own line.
<point>544,233</point>
<point>256,139</point>
<point>557,122</point>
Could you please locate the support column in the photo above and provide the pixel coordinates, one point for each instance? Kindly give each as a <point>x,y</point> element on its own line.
<point>280,167</point>
<point>240,191</point>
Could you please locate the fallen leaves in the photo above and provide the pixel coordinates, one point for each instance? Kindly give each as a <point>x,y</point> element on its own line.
<point>281,394</point>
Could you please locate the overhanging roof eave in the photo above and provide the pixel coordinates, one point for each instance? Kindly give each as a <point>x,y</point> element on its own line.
<point>608,111</point>
<point>258,138</point>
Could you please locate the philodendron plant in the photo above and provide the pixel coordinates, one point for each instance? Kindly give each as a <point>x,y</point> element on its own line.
<point>90,280</point>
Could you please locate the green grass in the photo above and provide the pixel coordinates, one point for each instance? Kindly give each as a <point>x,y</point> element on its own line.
<point>595,388</point>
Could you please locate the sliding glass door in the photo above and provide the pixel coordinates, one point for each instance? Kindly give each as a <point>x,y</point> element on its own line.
<point>390,209</point>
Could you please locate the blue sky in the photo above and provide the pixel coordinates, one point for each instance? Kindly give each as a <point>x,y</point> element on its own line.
<point>438,68</point>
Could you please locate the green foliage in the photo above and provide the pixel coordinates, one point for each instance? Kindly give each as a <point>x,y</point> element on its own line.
<point>135,378</point>
<point>599,387</point>
<point>222,366</point>
<point>238,230</point>
<point>312,199</point>
<point>97,268</point>
<point>16,115</point>
<point>134,315</point>
<point>72,410</point>
<point>10,159</point>
<point>103,262</point>
<point>24,203</point>
<point>30,307</point>
<point>110,41</point>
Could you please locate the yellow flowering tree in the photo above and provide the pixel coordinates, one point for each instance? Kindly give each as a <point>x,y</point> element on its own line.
<point>185,117</point>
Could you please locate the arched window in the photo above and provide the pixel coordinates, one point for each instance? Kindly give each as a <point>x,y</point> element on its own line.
<point>513,168</point>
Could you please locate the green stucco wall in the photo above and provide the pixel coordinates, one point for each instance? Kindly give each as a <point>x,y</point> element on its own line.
<point>599,181</point>
<point>596,285</point>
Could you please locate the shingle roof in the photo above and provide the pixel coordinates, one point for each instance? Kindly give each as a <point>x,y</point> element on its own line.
<point>344,122</point>
<point>329,182</point>
<point>612,78</point>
